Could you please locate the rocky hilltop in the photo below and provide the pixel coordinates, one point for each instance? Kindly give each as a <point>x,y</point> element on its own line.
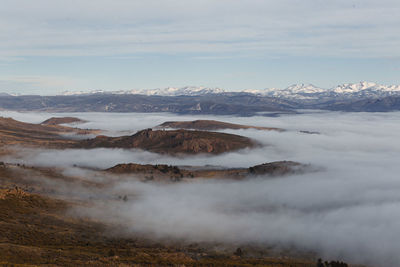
<point>167,172</point>
<point>210,125</point>
<point>174,142</point>
<point>61,120</point>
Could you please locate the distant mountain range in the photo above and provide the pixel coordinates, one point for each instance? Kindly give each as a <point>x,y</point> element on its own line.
<point>169,91</point>
<point>344,91</point>
<point>295,91</point>
<point>363,96</point>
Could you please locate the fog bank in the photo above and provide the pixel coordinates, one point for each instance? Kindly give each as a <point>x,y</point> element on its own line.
<point>350,210</point>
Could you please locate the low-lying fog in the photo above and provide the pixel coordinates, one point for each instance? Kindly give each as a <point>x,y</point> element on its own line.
<point>349,210</point>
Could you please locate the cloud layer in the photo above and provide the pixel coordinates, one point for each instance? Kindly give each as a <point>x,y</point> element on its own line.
<point>287,27</point>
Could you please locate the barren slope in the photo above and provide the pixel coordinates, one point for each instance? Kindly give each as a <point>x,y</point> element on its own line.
<point>37,229</point>
<point>15,132</point>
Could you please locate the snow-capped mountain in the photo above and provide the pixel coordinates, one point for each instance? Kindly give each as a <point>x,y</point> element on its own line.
<point>354,97</point>
<point>294,92</point>
<point>366,90</point>
<point>301,91</point>
<point>189,90</point>
<point>344,91</point>
<point>169,91</point>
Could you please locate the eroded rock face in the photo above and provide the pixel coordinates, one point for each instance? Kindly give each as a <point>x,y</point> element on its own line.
<point>174,142</point>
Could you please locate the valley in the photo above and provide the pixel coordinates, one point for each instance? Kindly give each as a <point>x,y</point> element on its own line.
<point>199,133</point>
<point>154,196</point>
<point>39,203</point>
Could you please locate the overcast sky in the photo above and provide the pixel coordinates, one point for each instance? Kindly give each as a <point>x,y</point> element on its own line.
<point>49,46</point>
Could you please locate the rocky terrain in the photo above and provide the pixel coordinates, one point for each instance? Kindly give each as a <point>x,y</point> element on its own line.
<point>176,142</point>
<point>210,125</point>
<point>150,172</point>
<point>173,142</point>
<point>42,222</point>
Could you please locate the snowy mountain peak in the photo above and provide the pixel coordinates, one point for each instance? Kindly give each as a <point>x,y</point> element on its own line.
<point>354,87</point>
<point>295,91</point>
<point>188,90</point>
<point>168,91</point>
<point>364,86</point>
<point>348,90</point>
<point>304,88</point>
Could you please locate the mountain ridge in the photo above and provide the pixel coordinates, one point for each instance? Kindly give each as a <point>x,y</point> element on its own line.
<point>354,97</point>
<point>295,90</point>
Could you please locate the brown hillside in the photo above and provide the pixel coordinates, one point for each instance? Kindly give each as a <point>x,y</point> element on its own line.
<point>38,230</point>
<point>210,125</point>
<point>14,132</point>
<point>174,142</point>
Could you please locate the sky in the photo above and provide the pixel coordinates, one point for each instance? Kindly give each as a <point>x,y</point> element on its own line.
<point>50,46</point>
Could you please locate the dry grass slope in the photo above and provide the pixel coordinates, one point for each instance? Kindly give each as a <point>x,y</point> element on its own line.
<point>35,231</point>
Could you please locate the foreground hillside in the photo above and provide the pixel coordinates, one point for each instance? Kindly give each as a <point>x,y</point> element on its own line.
<point>37,228</point>
<point>36,231</point>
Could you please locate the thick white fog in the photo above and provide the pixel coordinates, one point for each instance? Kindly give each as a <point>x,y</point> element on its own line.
<point>349,210</point>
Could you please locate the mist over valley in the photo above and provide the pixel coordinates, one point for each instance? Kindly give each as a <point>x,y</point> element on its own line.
<point>340,205</point>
